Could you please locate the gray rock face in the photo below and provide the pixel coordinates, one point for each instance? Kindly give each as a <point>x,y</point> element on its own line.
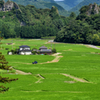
<point>8,6</point>
<point>96,9</point>
<point>93,9</point>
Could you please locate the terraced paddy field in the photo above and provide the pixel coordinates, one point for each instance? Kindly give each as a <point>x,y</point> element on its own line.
<point>74,76</point>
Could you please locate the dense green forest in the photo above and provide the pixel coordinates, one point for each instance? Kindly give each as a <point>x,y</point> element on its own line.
<point>30,22</point>
<point>82,29</point>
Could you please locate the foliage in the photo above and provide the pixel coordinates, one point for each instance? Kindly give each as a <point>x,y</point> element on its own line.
<point>42,4</point>
<point>34,52</point>
<point>5,80</point>
<point>1,3</point>
<point>3,62</point>
<point>38,52</point>
<point>13,51</point>
<point>54,50</point>
<point>45,54</point>
<point>83,3</point>
<point>72,15</point>
<point>83,29</point>
<point>30,22</point>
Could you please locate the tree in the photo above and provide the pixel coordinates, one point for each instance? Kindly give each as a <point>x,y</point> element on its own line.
<point>4,66</point>
<point>5,31</point>
<point>54,50</point>
<point>72,15</point>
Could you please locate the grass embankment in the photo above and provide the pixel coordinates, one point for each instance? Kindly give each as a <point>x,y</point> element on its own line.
<point>78,60</point>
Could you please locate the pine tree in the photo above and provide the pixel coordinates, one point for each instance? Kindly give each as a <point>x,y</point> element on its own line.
<point>4,66</point>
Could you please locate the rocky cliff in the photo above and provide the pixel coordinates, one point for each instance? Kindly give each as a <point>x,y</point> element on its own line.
<point>90,9</point>
<point>93,9</point>
<point>7,6</point>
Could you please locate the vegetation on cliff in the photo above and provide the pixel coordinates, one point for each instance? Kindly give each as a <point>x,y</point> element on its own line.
<point>85,28</point>
<point>30,22</point>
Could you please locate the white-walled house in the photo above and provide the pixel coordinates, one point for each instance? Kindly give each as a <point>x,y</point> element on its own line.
<point>24,50</point>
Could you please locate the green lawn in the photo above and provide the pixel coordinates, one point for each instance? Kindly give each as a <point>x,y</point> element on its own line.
<point>78,60</point>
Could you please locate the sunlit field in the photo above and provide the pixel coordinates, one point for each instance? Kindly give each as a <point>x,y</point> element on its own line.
<point>49,81</point>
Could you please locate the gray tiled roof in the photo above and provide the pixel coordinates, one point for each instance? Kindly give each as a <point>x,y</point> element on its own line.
<point>24,46</point>
<point>24,50</point>
<point>43,47</point>
<point>45,50</point>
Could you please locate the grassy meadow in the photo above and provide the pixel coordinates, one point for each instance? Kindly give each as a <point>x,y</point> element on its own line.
<point>78,60</point>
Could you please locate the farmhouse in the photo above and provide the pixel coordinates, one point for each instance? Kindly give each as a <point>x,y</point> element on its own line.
<point>24,50</point>
<point>44,50</point>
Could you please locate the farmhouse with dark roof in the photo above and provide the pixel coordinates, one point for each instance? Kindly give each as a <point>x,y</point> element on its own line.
<point>44,50</point>
<point>24,50</point>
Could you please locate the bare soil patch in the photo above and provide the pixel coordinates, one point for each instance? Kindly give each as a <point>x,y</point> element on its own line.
<point>75,78</point>
<point>10,43</point>
<point>69,82</point>
<point>54,60</point>
<point>22,73</point>
<point>23,63</point>
<point>40,78</point>
<point>92,46</point>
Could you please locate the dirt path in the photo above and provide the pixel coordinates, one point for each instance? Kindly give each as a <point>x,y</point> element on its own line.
<point>75,78</point>
<point>22,73</point>
<point>92,46</point>
<point>40,78</point>
<point>54,60</point>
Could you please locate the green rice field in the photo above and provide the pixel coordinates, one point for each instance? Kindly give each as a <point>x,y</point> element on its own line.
<point>50,81</point>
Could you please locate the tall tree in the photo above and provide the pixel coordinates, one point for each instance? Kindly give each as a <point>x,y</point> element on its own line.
<point>4,66</point>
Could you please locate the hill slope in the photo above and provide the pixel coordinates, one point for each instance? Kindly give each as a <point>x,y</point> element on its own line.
<point>85,2</point>
<point>68,4</point>
<point>42,4</point>
<point>28,21</point>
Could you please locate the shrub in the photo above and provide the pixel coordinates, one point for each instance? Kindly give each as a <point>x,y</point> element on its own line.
<point>6,48</point>
<point>38,52</point>
<point>54,50</point>
<point>45,54</point>
<point>34,52</point>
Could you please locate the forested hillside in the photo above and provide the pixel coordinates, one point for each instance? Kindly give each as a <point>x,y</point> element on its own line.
<point>42,4</point>
<point>85,28</point>
<point>30,22</point>
<point>85,2</point>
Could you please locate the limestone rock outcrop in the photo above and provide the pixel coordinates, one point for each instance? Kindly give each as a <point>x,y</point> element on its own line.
<point>7,6</point>
<point>93,9</point>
